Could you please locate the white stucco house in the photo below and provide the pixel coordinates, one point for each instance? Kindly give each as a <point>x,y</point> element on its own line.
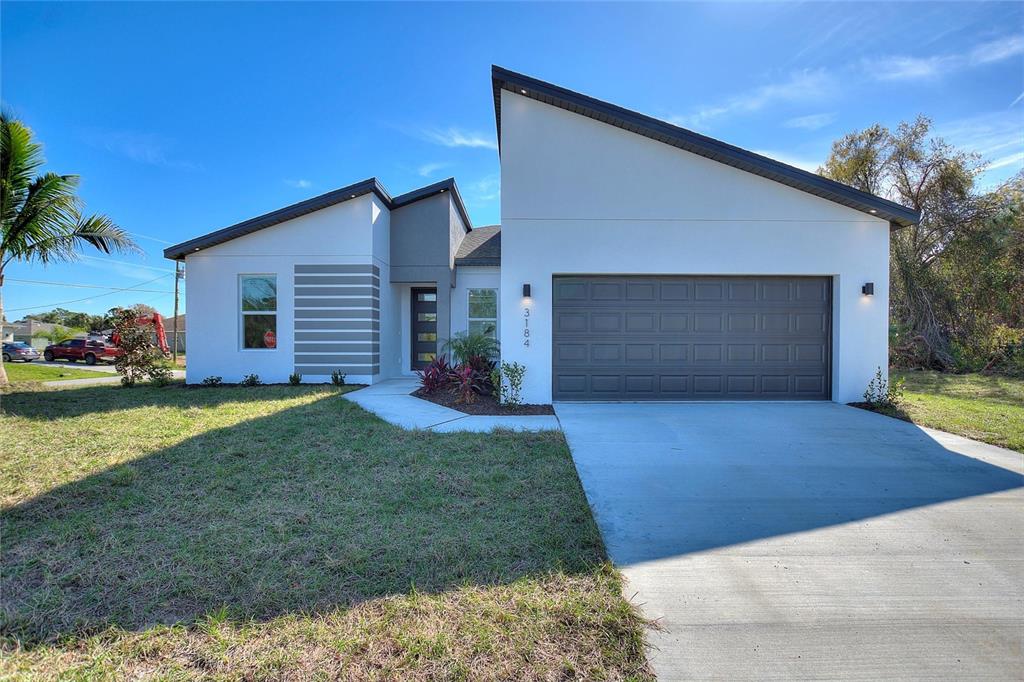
<point>635,260</point>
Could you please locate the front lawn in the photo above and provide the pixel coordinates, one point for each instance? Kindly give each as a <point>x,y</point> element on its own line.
<point>983,407</point>
<point>284,532</point>
<point>26,371</point>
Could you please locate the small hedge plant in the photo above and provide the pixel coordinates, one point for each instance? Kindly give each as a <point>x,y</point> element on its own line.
<point>252,380</point>
<point>294,378</point>
<point>338,377</point>
<point>881,393</point>
<point>213,381</point>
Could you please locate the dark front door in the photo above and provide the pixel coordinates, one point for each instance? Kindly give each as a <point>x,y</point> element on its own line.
<point>424,327</point>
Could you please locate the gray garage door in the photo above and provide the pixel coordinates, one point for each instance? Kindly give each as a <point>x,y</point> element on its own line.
<point>691,338</point>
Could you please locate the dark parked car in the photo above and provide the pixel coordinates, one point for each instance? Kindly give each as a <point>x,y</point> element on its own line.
<point>19,351</point>
<point>88,350</point>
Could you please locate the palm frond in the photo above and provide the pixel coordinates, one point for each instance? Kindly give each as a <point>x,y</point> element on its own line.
<point>20,158</point>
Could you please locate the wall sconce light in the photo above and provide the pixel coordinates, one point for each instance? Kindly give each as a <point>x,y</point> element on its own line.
<point>526,291</point>
<point>868,289</point>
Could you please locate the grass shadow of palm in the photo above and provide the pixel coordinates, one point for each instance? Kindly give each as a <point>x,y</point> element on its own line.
<point>311,507</point>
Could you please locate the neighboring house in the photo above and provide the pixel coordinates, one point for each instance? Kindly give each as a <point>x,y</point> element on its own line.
<point>26,330</point>
<point>635,260</point>
<point>169,332</point>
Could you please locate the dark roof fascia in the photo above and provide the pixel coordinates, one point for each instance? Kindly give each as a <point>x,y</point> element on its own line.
<point>496,262</point>
<point>641,124</point>
<point>179,251</point>
<point>447,185</point>
<point>370,185</point>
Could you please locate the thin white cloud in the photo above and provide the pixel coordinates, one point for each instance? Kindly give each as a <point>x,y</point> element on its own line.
<point>995,136</point>
<point>428,169</point>
<point>299,183</point>
<point>1015,160</point>
<point>1016,101</point>
<point>801,86</point>
<point>484,190</point>
<point>456,137</point>
<point>811,121</point>
<point>147,148</point>
<point>997,50</point>
<point>933,67</point>
<point>810,165</point>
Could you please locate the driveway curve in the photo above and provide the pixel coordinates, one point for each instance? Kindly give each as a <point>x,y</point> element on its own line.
<point>808,540</point>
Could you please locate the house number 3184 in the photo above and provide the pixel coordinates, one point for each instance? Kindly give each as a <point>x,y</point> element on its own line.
<point>526,327</point>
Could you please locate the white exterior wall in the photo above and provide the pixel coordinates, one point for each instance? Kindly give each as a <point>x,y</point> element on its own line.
<point>472,277</point>
<point>341,234</point>
<point>583,197</point>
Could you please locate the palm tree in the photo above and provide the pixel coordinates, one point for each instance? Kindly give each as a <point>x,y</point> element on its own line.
<point>40,215</point>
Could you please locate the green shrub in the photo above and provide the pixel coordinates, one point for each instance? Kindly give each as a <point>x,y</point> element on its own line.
<point>138,358</point>
<point>213,381</point>
<point>508,382</point>
<point>294,378</point>
<point>881,393</point>
<point>338,377</point>
<point>251,380</point>
<point>465,345</point>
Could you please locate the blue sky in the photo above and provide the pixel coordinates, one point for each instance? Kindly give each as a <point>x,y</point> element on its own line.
<point>184,118</point>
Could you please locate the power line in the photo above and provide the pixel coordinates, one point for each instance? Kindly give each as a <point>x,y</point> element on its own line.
<point>82,286</point>
<point>87,298</point>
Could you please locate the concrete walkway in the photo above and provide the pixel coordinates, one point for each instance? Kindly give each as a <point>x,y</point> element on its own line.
<point>808,541</point>
<point>390,400</point>
<point>63,364</point>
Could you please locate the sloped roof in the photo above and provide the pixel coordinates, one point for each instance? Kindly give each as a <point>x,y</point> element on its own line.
<point>482,246</point>
<point>730,155</point>
<point>179,251</point>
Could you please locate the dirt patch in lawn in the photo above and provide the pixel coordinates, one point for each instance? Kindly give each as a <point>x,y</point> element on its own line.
<point>484,404</point>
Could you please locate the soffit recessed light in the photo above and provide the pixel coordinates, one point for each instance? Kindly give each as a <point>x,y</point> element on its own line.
<point>874,211</point>
<point>522,92</point>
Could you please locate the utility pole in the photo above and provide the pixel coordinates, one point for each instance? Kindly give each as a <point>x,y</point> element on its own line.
<point>178,274</point>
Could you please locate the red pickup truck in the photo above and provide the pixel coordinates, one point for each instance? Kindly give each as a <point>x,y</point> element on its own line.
<point>88,350</point>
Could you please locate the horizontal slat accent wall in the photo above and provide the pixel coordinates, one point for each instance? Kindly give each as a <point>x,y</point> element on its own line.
<point>337,319</point>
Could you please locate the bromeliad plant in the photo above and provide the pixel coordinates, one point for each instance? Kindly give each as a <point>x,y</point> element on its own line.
<point>436,375</point>
<point>470,383</point>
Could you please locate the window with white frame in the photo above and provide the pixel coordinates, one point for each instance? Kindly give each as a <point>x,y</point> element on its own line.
<point>258,294</point>
<point>483,312</point>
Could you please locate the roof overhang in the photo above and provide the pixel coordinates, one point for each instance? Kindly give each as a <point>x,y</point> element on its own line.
<point>368,186</point>
<point>716,150</point>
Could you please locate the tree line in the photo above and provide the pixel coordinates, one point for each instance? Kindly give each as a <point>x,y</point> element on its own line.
<point>956,278</point>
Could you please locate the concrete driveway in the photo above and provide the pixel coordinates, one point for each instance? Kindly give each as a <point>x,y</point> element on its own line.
<point>781,541</point>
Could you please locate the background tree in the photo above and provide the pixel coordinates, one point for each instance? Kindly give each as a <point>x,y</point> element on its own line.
<point>71,318</point>
<point>933,319</point>
<point>59,334</point>
<point>40,215</point>
<point>138,359</point>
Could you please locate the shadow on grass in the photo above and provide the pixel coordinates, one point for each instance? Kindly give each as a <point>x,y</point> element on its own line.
<point>312,507</point>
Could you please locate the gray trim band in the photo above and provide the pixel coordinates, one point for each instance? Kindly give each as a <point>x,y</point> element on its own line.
<point>322,336</point>
<point>337,291</point>
<point>326,325</point>
<point>306,347</point>
<point>319,280</point>
<point>360,269</point>
<point>354,302</point>
<point>354,358</point>
<point>325,370</point>
<point>362,314</point>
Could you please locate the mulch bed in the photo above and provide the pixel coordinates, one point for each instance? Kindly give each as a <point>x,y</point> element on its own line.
<point>484,404</point>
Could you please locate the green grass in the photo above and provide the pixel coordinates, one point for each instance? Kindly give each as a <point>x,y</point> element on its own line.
<point>284,532</point>
<point>983,407</point>
<point>21,372</point>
